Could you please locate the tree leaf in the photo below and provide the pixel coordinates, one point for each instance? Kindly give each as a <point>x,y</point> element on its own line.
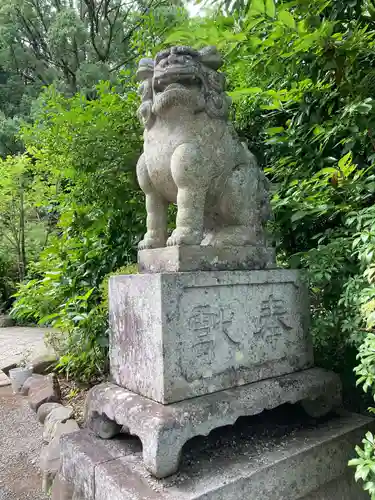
<point>287,19</point>
<point>270,8</point>
<point>298,215</point>
<point>241,93</point>
<point>275,130</point>
<point>345,161</point>
<point>257,6</point>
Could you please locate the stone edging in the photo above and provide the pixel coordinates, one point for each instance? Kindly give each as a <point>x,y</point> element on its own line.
<point>44,397</point>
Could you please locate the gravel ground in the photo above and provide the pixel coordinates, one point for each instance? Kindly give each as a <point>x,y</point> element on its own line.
<point>16,341</point>
<point>20,445</point>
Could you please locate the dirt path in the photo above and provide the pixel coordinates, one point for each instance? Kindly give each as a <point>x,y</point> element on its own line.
<point>20,432</point>
<point>20,445</point>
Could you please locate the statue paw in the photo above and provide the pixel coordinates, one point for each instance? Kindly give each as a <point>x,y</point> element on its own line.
<point>184,236</point>
<point>152,241</point>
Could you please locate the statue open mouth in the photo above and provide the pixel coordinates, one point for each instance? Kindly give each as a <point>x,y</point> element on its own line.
<point>175,80</point>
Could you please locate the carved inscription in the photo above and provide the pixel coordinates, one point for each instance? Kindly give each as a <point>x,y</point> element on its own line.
<point>205,323</point>
<point>273,320</point>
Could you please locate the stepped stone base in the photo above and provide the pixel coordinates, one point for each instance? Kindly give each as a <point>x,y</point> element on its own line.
<point>164,429</point>
<point>285,457</point>
<point>205,258</point>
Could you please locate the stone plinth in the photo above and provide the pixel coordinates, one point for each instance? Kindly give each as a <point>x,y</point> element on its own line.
<point>306,461</point>
<point>164,429</point>
<point>205,258</point>
<point>181,335</point>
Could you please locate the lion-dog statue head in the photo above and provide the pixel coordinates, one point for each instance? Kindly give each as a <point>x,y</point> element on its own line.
<point>182,76</point>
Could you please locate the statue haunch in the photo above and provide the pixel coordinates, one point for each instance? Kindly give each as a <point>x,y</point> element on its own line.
<point>193,157</point>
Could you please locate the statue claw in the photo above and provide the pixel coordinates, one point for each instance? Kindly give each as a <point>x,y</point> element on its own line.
<point>151,242</point>
<point>184,236</point>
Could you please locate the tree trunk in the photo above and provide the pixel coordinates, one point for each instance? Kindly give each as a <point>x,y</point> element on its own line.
<point>22,245</point>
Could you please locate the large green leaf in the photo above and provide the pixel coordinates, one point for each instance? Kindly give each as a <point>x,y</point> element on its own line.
<point>270,8</point>
<point>257,6</point>
<point>286,18</point>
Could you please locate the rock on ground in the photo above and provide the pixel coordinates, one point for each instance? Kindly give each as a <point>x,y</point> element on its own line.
<point>20,445</point>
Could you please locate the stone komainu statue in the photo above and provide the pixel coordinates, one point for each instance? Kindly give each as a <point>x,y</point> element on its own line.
<point>193,157</point>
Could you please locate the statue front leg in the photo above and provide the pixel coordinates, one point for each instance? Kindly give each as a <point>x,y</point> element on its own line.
<point>186,169</point>
<point>156,208</point>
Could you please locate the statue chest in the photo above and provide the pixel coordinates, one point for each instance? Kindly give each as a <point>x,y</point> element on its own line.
<point>158,151</point>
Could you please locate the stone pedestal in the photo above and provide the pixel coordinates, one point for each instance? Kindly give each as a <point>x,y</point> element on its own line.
<point>164,429</point>
<point>209,258</point>
<point>266,458</point>
<point>194,351</point>
<point>210,330</point>
<point>176,336</point>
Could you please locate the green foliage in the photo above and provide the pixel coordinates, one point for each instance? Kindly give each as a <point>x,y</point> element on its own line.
<point>73,45</point>
<point>364,246</point>
<point>7,281</point>
<point>84,154</point>
<point>23,229</point>
<point>71,206</point>
<point>365,464</point>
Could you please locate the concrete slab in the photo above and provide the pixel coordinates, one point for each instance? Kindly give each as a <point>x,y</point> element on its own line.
<point>268,457</point>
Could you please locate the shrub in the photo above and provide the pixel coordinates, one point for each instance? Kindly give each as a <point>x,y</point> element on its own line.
<point>84,154</point>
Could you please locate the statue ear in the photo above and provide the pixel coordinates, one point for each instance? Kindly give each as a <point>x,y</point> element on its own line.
<point>211,57</point>
<point>145,69</point>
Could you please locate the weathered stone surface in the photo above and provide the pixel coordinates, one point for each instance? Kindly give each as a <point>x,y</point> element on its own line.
<point>342,488</point>
<point>4,380</point>
<point>50,454</point>
<point>61,490</point>
<point>54,419</point>
<point>102,426</point>
<point>34,382</point>
<point>44,363</point>
<point>50,457</point>
<point>204,258</point>
<point>67,427</point>
<point>80,454</point>
<point>45,409</point>
<point>193,157</point>
<point>308,463</point>
<point>164,429</point>
<point>47,481</point>
<point>44,391</point>
<point>176,336</point>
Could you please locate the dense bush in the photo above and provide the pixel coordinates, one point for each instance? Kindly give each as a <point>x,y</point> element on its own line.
<point>82,144</point>
<point>84,154</point>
